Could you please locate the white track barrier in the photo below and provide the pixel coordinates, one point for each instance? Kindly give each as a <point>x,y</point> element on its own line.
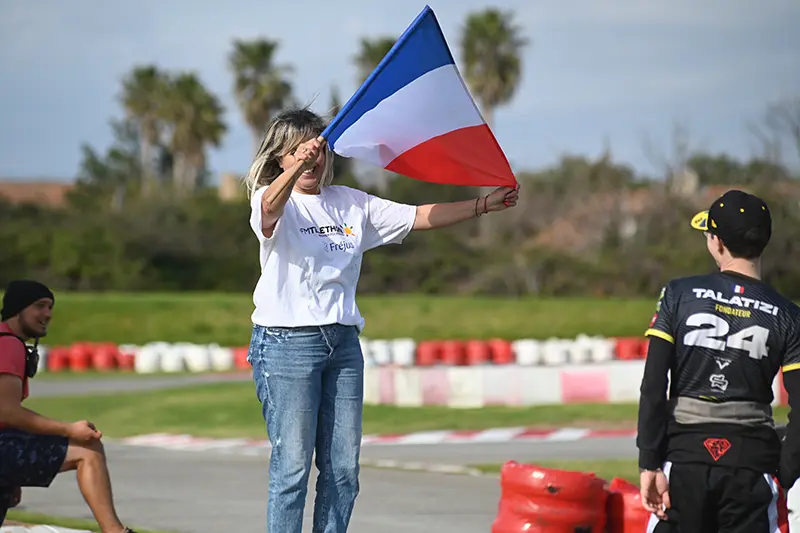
<point>510,384</point>
<point>527,351</point>
<point>602,350</point>
<point>171,358</point>
<point>404,352</point>
<point>579,350</point>
<point>555,352</point>
<point>197,358</point>
<point>147,359</point>
<point>381,351</point>
<point>42,365</point>
<point>366,351</point>
<point>221,358</point>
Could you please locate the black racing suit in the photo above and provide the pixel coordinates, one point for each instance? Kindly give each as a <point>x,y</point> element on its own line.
<point>723,338</point>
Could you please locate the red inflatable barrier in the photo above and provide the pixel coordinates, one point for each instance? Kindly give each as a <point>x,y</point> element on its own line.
<point>535,499</point>
<point>105,357</point>
<point>629,348</point>
<point>477,352</point>
<point>57,359</point>
<point>240,357</point>
<point>80,356</point>
<point>453,353</point>
<point>502,352</point>
<point>645,346</point>
<point>624,510</point>
<point>126,361</point>
<point>428,353</point>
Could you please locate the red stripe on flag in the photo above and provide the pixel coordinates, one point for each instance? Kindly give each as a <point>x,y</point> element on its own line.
<point>467,156</point>
<point>782,508</point>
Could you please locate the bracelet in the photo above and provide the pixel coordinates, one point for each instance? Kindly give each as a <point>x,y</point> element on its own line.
<point>476,207</point>
<point>485,208</point>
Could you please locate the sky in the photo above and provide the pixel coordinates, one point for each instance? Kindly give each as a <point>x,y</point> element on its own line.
<point>616,74</point>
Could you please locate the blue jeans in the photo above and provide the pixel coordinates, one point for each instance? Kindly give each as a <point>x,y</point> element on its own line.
<point>310,382</point>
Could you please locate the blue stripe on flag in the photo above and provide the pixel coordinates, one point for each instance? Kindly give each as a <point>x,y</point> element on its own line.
<point>420,49</point>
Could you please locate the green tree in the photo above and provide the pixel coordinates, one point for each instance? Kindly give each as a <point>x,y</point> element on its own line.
<point>143,96</point>
<point>194,119</point>
<point>491,48</point>
<point>260,85</point>
<point>370,52</point>
<point>105,181</point>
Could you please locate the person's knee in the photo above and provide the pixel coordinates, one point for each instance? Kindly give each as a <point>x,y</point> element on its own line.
<point>346,469</point>
<point>84,452</point>
<point>290,462</point>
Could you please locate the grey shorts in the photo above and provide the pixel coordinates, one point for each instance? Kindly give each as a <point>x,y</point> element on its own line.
<point>28,460</point>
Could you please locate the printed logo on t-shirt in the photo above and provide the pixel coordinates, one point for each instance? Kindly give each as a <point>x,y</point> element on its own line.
<point>327,231</point>
<point>339,246</point>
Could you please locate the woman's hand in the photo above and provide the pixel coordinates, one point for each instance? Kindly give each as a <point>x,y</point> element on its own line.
<point>308,152</point>
<point>502,198</point>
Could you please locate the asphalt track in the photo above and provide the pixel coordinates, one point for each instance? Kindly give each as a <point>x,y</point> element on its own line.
<point>58,386</point>
<point>211,491</point>
<point>208,491</point>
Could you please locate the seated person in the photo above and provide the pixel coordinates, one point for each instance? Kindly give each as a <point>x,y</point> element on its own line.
<point>34,448</point>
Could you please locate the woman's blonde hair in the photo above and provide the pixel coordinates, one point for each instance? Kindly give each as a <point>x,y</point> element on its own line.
<point>284,134</point>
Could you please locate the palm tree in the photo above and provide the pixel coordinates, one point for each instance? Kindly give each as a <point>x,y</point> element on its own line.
<point>194,117</point>
<point>260,86</point>
<point>491,48</point>
<point>370,53</point>
<point>142,96</point>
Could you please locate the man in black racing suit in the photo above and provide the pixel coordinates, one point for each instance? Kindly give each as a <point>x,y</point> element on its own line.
<point>709,455</point>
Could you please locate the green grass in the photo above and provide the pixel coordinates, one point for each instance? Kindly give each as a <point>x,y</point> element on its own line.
<point>232,410</point>
<point>73,523</point>
<point>137,318</point>
<point>608,469</point>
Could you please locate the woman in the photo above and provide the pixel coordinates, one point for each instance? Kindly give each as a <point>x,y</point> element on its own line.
<point>307,363</point>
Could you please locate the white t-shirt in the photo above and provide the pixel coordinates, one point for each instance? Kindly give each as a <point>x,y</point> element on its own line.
<point>311,264</point>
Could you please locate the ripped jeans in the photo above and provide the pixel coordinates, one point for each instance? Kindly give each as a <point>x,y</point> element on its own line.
<point>310,382</point>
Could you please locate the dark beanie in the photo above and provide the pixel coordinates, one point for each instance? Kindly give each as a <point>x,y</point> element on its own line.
<point>20,294</point>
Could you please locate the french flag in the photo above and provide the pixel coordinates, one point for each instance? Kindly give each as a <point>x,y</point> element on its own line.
<point>415,116</point>
<point>738,289</point>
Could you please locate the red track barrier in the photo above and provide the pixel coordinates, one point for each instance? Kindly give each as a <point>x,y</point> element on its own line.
<point>628,348</point>
<point>80,356</point>
<point>428,353</point>
<point>240,357</point>
<point>453,353</point>
<point>543,500</point>
<point>502,352</point>
<point>477,352</point>
<point>57,359</point>
<point>105,357</point>
<point>624,510</point>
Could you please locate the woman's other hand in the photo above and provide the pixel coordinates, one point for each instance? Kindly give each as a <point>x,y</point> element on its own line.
<point>502,198</point>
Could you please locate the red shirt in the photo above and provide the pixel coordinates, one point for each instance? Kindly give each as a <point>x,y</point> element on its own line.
<point>12,359</point>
